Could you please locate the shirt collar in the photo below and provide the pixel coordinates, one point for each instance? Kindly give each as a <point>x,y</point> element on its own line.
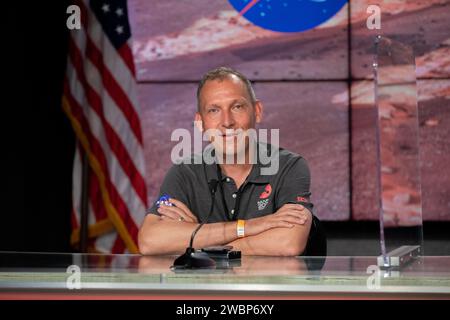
<point>255,175</point>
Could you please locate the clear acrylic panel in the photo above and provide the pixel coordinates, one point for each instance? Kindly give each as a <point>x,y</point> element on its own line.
<point>399,182</point>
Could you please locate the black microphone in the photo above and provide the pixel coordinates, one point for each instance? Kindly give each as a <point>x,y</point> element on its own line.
<point>192,259</point>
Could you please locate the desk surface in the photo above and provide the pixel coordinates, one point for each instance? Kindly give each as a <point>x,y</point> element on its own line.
<point>50,275</point>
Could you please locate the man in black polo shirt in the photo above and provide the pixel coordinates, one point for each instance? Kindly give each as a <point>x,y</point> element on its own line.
<point>256,213</point>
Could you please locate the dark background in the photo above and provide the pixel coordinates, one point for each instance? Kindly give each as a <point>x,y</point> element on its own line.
<point>38,144</point>
<point>38,139</point>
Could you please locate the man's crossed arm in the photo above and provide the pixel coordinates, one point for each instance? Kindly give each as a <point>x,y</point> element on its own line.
<point>283,233</point>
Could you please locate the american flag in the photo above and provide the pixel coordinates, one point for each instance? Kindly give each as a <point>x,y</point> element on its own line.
<point>100,100</point>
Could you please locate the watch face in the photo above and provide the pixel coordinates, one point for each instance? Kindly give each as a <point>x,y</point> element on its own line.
<point>287,15</point>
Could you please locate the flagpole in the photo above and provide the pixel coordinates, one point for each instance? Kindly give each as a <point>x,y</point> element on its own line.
<point>84,210</point>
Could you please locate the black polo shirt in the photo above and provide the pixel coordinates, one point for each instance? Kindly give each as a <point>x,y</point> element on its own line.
<point>258,196</point>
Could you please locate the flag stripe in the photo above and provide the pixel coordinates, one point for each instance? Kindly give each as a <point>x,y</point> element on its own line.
<point>111,58</point>
<point>127,56</point>
<point>105,243</point>
<point>118,177</point>
<point>100,99</point>
<point>76,190</point>
<point>120,215</point>
<point>119,245</point>
<point>114,114</point>
<point>102,227</point>
<point>96,210</point>
<point>95,35</point>
<point>114,89</point>
<point>114,141</point>
<point>115,119</point>
<point>99,155</point>
<point>96,198</point>
<point>94,230</point>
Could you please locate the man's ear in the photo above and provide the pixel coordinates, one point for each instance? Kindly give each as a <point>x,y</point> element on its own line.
<point>258,111</point>
<point>198,122</point>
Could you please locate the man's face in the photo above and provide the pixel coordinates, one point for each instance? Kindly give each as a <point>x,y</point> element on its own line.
<point>227,112</point>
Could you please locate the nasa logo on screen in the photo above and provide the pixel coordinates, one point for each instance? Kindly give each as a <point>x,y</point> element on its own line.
<point>287,15</point>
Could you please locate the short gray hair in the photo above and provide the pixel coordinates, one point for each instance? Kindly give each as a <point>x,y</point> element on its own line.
<point>221,74</point>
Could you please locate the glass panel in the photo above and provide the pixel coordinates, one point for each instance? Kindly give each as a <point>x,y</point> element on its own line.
<point>135,274</point>
<point>400,197</point>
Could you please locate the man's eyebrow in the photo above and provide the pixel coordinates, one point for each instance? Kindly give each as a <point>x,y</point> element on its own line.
<point>212,105</point>
<point>239,100</point>
<point>233,102</point>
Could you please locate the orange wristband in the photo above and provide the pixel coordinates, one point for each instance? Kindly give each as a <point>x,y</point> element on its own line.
<point>240,228</point>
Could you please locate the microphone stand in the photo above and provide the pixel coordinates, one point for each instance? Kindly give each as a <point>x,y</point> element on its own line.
<point>192,259</point>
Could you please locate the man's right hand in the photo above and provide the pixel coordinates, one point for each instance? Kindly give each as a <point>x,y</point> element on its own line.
<point>287,216</point>
<point>178,212</point>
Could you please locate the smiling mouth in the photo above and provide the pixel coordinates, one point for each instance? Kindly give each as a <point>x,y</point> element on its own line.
<point>229,135</point>
<point>233,134</point>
